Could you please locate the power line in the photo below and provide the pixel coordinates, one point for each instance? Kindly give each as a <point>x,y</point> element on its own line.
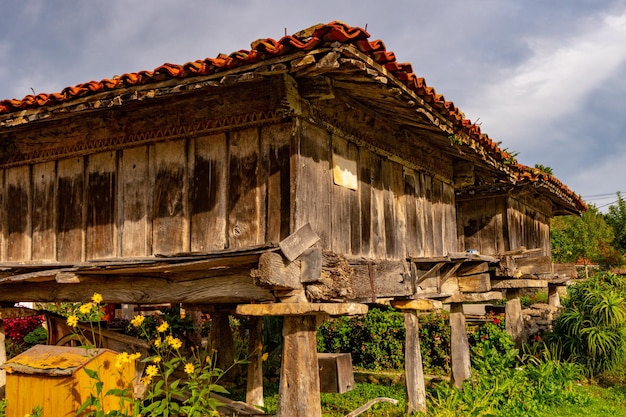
<point>598,196</point>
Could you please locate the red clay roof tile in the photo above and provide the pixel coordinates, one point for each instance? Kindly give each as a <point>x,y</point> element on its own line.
<point>322,35</point>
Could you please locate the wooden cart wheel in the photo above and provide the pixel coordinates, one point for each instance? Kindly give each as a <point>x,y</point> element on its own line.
<point>73,340</point>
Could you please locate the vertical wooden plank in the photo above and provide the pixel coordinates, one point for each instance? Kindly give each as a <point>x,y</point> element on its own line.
<point>313,181</point>
<point>413,367</point>
<point>69,203</point>
<point>488,233</point>
<point>378,246</point>
<point>276,154</point>
<point>500,221</point>
<point>100,235</point>
<point>400,209</point>
<point>299,389</point>
<point>44,242</point>
<point>221,339</point>
<point>429,227</point>
<point>438,217</point>
<point>460,222</point>
<point>170,226</point>
<point>134,202</point>
<point>208,193</point>
<point>459,346</point>
<point>410,203</point>
<point>18,192</point>
<point>355,206</point>
<point>450,240</point>
<point>243,194</point>
<point>340,205</point>
<point>365,200</point>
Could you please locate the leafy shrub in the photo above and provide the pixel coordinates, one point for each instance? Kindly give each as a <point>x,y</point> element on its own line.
<point>17,330</point>
<point>435,342</point>
<point>500,385</point>
<point>376,340</point>
<point>591,329</point>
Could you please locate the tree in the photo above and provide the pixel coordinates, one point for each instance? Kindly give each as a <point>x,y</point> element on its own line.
<point>616,218</point>
<point>588,238</point>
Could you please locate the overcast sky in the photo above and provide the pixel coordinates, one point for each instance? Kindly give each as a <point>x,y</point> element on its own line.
<point>545,78</point>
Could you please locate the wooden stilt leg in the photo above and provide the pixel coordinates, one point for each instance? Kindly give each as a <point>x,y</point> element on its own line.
<point>513,317</point>
<point>254,392</point>
<point>413,368</point>
<point>459,346</point>
<point>221,338</point>
<point>195,314</point>
<point>299,390</point>
<point>554,299</point>
<point>3,359</point>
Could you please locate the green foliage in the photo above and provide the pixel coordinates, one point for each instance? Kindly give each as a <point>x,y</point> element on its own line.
<point>616,218</point>
<point>500,384</point>
<point>492,350</point>
<point>587,237</point>
<point>434,331</point>
<point>376,340</point>
<point>545,169</point>
<point>37,336</point>
<point>591,330</point>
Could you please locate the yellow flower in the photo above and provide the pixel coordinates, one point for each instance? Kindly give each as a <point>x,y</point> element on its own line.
<point>134,356</point>
<point>264,357</point>
<point>156,359</point>
<point>85,308</point>
<point>146,380</point>
<point>175,342</point>
<point>96,298</point>
<point>189,368</point>
<point>72,321</point>
<point>137,320</point>
<point>157,342</point>
<point>121,359</point>
<point>163,327</point>
<point>152,370</point>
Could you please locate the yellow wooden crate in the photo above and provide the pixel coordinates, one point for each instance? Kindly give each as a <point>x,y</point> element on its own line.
<point>54,378</point>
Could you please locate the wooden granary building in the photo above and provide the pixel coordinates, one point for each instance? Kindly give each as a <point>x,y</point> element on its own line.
<point>305,176</point>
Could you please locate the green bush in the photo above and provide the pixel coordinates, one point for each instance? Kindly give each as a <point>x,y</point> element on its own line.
<point>376,340</point>
<point>591,329</point>
<point>500,385</point>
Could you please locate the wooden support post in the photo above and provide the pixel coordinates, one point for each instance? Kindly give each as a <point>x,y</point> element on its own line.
<point>554,298</point>
<point>299,390</point>
<point>413,368</point>
<point>459,346</point>
<point>254,391</point>
<point>221,338</point>
<point>194,312</point>
<point>513,317</point>
<point>3,359</point>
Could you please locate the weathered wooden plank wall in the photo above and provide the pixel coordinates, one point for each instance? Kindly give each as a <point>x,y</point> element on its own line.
<point>531,227</point>
<point>395,213</point>
<point>497,224</point>
<point>203,193</point>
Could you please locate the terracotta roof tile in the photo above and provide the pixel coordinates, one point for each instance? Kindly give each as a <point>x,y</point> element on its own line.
<point>322,35</point>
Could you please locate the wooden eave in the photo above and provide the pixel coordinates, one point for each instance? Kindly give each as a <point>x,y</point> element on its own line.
<point>223,276</point>
<point>350,71</point>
